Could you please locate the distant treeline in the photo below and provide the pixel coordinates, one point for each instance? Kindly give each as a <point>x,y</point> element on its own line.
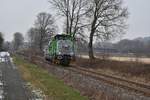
<point>136,47</point>
<point>139,46</point>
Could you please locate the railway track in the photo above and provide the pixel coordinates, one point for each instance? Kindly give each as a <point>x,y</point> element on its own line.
<point>136,87</point>
<point>115,81</point>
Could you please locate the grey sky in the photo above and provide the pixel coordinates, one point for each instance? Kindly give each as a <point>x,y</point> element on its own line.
<point>19,16</point>
<point>139,19</point>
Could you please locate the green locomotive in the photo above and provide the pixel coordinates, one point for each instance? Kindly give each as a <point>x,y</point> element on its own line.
<point>60,49</point>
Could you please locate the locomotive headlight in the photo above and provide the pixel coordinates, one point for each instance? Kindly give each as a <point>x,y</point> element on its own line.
<point>59,57</point>
<point>59,53</point>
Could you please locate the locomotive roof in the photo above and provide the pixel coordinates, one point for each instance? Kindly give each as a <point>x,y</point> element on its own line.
<point>58,36</point>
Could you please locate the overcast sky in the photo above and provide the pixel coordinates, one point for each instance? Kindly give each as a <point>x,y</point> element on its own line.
<point>19,16</point>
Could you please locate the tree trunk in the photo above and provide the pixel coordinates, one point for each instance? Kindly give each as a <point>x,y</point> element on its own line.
<point>91,53</point>
<point>41,39</point>
<point>67,19</point>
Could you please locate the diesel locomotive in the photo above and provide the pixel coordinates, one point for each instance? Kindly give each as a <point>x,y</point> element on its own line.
<point>60,50</point>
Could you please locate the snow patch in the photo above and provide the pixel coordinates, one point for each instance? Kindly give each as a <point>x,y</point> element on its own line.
<point>37,94</point>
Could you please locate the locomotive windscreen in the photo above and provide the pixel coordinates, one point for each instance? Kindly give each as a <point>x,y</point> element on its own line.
<point>65,47</point>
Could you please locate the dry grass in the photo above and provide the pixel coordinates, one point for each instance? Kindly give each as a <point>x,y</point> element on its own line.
<point>134,59</point>
<point>123,59</point>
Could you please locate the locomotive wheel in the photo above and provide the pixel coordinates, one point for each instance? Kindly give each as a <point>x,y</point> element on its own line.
<point>65,62</point>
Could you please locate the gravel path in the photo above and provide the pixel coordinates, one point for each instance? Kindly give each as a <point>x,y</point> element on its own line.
<point>13,85</point>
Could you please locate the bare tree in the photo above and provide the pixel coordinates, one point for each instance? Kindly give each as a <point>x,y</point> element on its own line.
<point>74,13</point>
<point>107,20</point>
<point>1,41</point>
<point>44,28</point>
<point>33,38</point>
<point>18,40</point>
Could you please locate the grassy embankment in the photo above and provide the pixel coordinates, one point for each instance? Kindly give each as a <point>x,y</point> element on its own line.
<point>50,85</point>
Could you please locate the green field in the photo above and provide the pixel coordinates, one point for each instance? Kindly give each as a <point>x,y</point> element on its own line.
<point>54,88</point>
